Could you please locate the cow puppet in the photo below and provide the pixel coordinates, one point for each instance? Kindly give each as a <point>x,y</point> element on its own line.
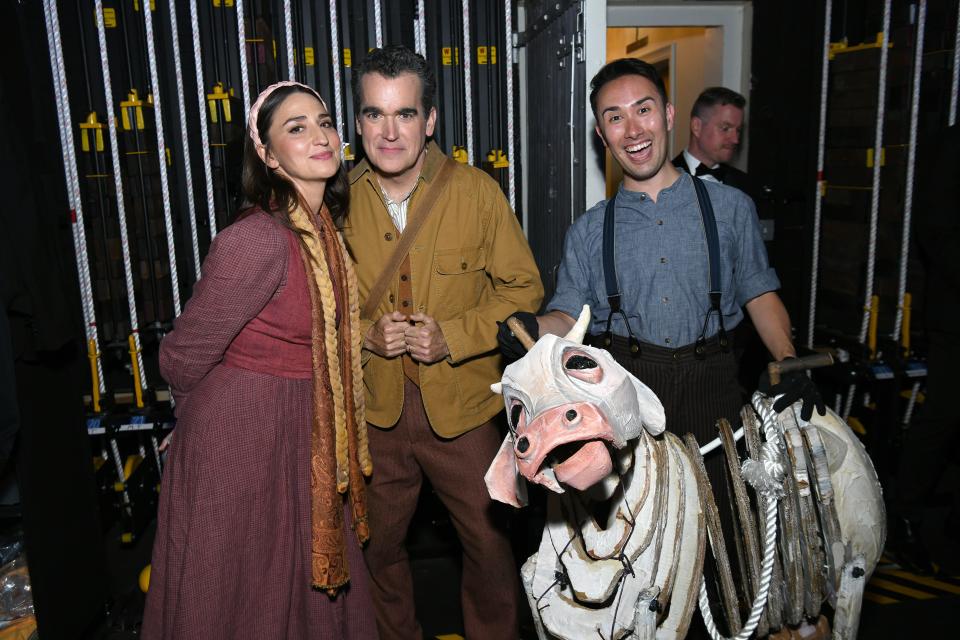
<point>622,550</point>
<point>625,540</point>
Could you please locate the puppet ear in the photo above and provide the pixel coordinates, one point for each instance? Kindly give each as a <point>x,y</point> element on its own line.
<point>651,409</point>
<point>503,481</point>
<point>497,388</point>
<point>579,330</point>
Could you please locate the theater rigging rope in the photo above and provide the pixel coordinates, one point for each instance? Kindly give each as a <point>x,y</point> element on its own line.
<point>242,46</point>
<point>821,183</point>
<point>507,58</point>
<point>162,160</point>
<point>288,40</point>
<point>204,133</point>
<point>118,184</point>
<point>335,64</point>
<point>74,198</point>
<point>184,138</point>
<point>467,88</point>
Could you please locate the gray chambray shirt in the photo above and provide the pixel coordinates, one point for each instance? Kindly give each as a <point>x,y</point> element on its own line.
<point>662,263</point>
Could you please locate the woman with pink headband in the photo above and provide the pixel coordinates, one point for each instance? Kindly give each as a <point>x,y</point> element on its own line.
<point>262,510</point>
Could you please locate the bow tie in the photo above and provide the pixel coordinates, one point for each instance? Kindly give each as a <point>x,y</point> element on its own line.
<point>717,172</point>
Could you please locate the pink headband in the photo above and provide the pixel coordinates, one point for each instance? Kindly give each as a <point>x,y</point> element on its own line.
<point>255,109</point>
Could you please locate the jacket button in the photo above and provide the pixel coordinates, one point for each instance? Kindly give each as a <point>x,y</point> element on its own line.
<point>403,277</point>
<point>405,303</point>
<point>388,236</point>
<point>463,266</point>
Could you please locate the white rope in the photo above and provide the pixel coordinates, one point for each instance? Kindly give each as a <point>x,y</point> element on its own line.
<point>877,150</point>
<point>74,199</point>
<point>335,63</point>
<point>466,55</point>
<point>421,29</point>
<point>911,164</point>
<point>204,135</point>
<point>506,59</point>
<point>766,477</point>
<point>185,139</point>
<point>288,34</point>
<point>818,196</point>
<point>571,127</point>
<point>848,404</point>
<point>955,81</point>
<point>242,44</point>
<point>378,22</point>
<point>118,186</point>
<point>911,403</point>
<point>162,158</point>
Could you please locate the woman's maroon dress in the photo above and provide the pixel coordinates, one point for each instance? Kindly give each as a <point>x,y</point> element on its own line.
<point>232,552</point>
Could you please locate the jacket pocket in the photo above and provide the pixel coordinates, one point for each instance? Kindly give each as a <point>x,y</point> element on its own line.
<point>450,262</point>
<point>460,279</point>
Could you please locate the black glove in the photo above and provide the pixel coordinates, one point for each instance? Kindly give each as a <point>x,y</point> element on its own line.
<point>510,346</point>
<point>794,385</point>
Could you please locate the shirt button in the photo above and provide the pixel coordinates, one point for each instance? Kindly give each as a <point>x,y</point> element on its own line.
<point>405,303</point>
<point>643,196</point>
<point>665,299</point>
<point>388,236</point>
<point>667,340</point>
<point>660,222</point>
<point>663,261</point>
<point>463,266</point>
<point>403,277</point>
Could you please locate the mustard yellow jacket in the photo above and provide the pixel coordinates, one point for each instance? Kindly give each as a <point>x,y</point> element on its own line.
<point>470,266</point>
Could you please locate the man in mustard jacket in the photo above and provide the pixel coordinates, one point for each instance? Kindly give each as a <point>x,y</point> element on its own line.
<point>439,258</point>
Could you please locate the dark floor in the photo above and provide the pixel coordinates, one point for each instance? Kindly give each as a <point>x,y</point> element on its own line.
<point>898,604</point>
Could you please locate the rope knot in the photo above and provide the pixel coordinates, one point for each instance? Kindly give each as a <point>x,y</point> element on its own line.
<point>766,476</point>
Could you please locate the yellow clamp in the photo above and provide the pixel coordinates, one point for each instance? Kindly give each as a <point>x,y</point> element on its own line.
<point>459,154</point>
<point>348,152</point>
<point>137,389</point>
<point>217,94</point>
<point>498,159</point>
<point>883,157</point>
<point>93,355</point>
<point>844,47</point>
<point>135,104</point>
<point>91,124</point>
<point>872,327</point>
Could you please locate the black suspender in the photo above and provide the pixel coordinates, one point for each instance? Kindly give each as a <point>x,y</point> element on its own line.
<point>712,237</point>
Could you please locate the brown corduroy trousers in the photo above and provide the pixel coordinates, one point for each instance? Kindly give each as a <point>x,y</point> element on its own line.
<point>402,456</point>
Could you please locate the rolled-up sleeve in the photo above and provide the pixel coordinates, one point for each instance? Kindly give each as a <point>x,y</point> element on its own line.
<point>573,277</point>
<point>755,276</point>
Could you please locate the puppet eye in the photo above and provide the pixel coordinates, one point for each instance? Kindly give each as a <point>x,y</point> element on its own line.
<point>517,415</point>
<point>582,366</point>
<point>580,362</point>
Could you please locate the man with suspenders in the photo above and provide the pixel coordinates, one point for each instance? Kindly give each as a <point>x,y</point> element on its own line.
<point>667,266</point>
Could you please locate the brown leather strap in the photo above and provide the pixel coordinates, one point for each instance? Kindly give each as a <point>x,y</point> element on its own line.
<point>407,238</point>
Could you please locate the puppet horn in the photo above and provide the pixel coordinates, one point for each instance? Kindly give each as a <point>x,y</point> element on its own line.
<point>579,330</point>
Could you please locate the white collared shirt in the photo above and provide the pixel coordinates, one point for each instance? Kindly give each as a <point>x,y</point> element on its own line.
<point>398,210</point>
<point>693,163</point>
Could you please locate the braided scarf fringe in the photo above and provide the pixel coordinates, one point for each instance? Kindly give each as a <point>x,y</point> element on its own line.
<point>334,474</point>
